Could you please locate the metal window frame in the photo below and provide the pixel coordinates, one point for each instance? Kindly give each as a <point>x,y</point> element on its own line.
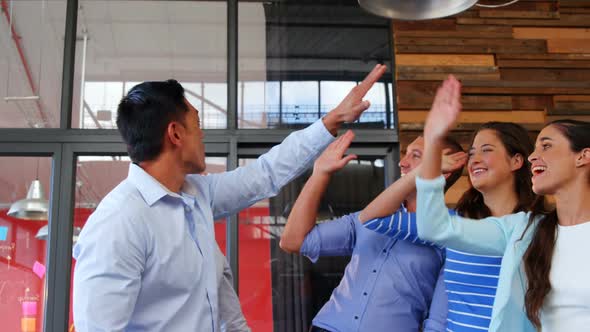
<point>65,144</point>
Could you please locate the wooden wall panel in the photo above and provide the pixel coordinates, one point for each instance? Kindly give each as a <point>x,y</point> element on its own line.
<point>527,63</point>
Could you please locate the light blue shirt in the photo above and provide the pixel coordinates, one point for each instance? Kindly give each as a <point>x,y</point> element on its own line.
<point>388,285</point>
<point>147,259</point>
<point>498,236</point>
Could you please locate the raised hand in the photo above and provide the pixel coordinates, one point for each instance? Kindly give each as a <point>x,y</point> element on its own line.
<point>452,161</point>
<point>353,105</point>
<point>333,158</point>
<point>444,111</point>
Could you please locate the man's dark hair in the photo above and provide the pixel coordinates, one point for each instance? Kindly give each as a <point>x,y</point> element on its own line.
<point>144,114</point>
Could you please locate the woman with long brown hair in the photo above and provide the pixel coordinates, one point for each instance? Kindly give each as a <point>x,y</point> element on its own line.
<point>543,279</point>
<point>500,179</point>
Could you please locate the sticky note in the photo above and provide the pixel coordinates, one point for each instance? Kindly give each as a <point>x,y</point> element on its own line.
<point>28,324</point>
<point>39,269</point>
<point>3,233</point>
<point>29,308</point>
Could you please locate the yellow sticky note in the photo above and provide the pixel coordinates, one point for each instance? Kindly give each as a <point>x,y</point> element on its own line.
<point>28,324</point>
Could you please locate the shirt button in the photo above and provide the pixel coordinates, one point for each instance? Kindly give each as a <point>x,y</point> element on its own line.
<point>365,293</point>
<point>374,271</point>
<point>384,251</point>
<point>356,317</point>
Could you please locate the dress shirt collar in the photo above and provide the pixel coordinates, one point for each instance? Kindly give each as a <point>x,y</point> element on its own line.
<point>150,189</point>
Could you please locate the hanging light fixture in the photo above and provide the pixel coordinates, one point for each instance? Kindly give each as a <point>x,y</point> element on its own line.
<point>34,207</point>
<point>421,9</point>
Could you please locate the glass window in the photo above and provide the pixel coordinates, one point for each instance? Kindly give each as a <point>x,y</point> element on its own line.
<point>31,62</point>
<point>258,104</point>
<point>300,102</point>
<point>375,116</point>
<point>332,93</point>
<point>22,246</point>
<point>301,44</point>
<point>280,291</point>
<point>120,46</point>
<point>96,176</point>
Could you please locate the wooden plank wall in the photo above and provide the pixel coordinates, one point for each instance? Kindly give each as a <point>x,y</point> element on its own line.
<point>527,63</point>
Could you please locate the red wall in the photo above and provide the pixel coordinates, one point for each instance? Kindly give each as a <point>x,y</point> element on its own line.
<point>17,275</point>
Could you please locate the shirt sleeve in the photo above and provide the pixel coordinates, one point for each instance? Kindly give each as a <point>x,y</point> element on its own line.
<point>487,236</point>
<point>235,190</point>
<point>331,238</point>
<point>231,316</point>
<point>400,225</point>
<point>439,307</point>
<point>110,257</point>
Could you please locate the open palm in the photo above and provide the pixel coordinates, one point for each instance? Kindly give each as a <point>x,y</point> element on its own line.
<point>333,158</point>
<point>352,106</point>
<point>445,109</point>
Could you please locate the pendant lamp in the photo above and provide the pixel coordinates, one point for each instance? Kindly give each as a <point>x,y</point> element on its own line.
<point>34,207</point>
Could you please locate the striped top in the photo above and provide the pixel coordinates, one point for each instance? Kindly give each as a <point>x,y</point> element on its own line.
<point>470,280</point>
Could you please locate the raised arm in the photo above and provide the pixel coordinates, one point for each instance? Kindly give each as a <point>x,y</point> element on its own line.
<point>391,198</point>
<point>353,105</point>
<point>379,215</point>
<point>303,216</point>
<point>434,222</point>
<point>233,191</point>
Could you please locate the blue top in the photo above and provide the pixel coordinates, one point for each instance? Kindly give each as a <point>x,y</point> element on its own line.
<point>387,284</point>
<point>470,280</point>
<point>147,259</point>
<point>495,236</point>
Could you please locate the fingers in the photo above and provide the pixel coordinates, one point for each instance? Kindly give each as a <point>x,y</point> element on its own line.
<point>347,159</point>
<point>455,155</point>
<point>455,92</point>
<point>459,159</point>
<point>361,107</point>
<point>345,141</point>
<point>373,77</point>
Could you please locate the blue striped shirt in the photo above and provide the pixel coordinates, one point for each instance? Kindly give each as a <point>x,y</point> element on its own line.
<point>470,280</point>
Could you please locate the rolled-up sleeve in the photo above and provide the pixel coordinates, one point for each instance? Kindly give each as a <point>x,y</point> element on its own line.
<point>487,236</point>
<point>235,190</point>
<point>331,238</point>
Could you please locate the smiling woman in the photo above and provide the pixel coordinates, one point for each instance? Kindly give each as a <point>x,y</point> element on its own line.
<point>498,170</point>
<point>548,244</point>
<point>561,166</point>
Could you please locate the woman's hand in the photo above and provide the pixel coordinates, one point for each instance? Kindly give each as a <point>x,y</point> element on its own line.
<point>444,111</point>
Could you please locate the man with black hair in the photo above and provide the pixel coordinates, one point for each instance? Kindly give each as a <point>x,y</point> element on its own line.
<point>147,259</point>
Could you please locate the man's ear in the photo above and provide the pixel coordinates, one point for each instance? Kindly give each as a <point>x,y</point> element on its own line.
<point>583,158</point>
<point>516,162</point>
<point>174,132</point>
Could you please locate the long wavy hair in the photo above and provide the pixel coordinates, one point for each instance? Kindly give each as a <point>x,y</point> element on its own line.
<point>538,256</point>
<point>516,140</point>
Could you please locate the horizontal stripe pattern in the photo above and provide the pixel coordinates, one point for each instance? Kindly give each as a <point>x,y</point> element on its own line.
<point>471,280</point>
